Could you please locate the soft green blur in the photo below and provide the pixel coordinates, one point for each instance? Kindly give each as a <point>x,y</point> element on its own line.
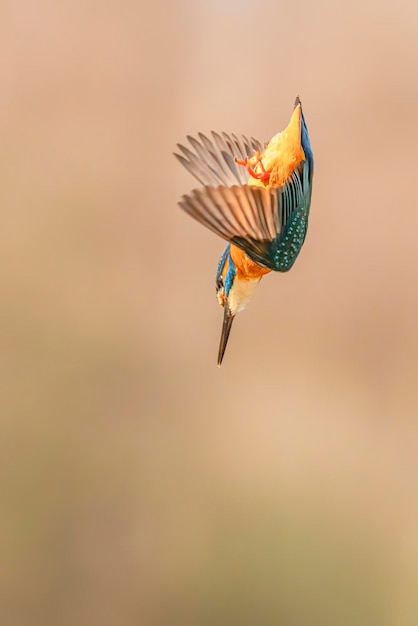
<point>142,485</point>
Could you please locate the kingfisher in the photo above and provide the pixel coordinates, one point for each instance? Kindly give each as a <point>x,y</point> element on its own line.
<point>256,197</point>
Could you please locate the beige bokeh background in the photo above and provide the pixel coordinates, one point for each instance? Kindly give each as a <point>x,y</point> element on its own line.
<point>142,485</point>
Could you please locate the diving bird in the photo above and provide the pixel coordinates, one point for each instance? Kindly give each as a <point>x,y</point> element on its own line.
<point>257,198</point>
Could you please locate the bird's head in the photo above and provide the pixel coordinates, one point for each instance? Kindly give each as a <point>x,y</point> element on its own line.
<point>233,292</point>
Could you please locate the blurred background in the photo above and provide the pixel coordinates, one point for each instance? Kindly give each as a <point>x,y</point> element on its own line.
<point>142,485</point>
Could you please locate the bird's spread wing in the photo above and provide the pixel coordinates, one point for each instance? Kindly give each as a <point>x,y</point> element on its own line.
<point>268,224</point>
<point>212,161</point>
<point>237,211</point>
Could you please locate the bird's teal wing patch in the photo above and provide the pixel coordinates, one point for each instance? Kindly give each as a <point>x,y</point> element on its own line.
<point>293,203</point>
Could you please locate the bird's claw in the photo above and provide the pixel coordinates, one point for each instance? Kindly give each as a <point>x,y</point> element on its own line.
<point>263,175</point>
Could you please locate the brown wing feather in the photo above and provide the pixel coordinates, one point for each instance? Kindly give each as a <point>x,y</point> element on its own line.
<point>212,161</point>
<point>237,211</point>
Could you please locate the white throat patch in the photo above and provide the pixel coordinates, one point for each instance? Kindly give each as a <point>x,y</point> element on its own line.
<point>240,294</point>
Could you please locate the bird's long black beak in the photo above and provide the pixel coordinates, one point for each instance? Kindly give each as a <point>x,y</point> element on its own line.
<point>226,328</point>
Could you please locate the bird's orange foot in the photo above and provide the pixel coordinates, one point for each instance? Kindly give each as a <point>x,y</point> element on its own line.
<point>263,175</point>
